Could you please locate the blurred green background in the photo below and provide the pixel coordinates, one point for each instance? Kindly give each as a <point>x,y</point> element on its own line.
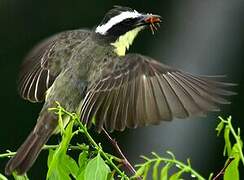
<point>201,37</point>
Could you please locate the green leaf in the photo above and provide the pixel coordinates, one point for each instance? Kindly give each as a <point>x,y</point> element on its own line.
<point>82,161</point>
<point>227,140</point>
<point>155,170</point>
<point>81,176</point>
<point>110,175</point>
<point>177,175</point>
<point>60,165</point>
<point>171,154</point>
<point>59,173</point>
<point>83,158</point>
<point>232,172</point>
<point>96,169</point>
<point>24,177</point>
<point>164,171</point>
<point>63,167</point>
<point>140,171</point>
<point>146,170</point>
<point>219,127</point>
<point>70,165</point>
<point>50,157</point>
<point>2,177</point>
<point>210,176</point>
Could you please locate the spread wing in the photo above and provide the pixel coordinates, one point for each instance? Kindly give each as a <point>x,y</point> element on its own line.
<point>140,91</point>
<point>43,64</point>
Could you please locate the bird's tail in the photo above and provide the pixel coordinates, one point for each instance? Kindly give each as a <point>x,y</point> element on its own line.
<point>30,149</point>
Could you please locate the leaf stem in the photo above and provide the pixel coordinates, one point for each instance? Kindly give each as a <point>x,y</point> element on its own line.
<point>179,164</point>
<point>8,154</point>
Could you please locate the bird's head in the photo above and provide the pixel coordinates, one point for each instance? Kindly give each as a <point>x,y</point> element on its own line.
<point>122,24</point>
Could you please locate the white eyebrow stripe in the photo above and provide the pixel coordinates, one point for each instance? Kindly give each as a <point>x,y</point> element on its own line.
<point>115,20</point>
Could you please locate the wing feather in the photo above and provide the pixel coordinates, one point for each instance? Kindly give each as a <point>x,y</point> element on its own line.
<point>138,91</point>
<point>204,93</point>
<point>43,64</point>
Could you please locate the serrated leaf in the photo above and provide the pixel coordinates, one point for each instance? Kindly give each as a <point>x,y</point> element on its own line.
<point>96,169</point>
<point>220,127</point>
<point>232,172</point>
<point>155,170</point>
<point>164,172</point>
<point>177,175</point>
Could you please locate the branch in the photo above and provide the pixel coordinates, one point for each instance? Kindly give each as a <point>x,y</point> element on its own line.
<point>221,173</point>
<point>126,163</point>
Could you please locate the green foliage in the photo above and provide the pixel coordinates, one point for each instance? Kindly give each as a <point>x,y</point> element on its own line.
<point>167,163</point>
<point>96,169</point>
<point>95,164</point>
<point>2,177</point>
<point>62,166</point>
<point>16,177</point>
<point>233,152</point>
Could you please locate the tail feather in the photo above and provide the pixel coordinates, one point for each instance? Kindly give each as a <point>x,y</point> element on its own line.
<point>30,149</point>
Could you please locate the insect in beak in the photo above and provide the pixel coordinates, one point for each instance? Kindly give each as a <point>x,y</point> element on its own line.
<point>153,21</point>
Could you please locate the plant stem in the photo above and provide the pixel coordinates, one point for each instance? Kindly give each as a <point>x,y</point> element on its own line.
<point>178,163</point>
<point>83,148</point>
<point>223,169</point>
<point>99,148</point>
<point>46,147</point>
<point>126,163</point>
<point>9,154</point>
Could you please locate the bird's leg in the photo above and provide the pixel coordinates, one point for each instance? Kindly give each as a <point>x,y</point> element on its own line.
<point>125,161</point>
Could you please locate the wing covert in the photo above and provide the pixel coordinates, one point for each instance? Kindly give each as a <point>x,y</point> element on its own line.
<point>141,91</point>
<point>45,61</point>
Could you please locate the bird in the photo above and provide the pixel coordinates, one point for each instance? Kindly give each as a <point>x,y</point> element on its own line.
<point>89,71</point>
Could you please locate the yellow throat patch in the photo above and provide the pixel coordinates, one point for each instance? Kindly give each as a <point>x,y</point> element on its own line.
<point>124,41</point>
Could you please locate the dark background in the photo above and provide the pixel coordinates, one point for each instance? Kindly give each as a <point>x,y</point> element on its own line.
<point>202,37</point>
